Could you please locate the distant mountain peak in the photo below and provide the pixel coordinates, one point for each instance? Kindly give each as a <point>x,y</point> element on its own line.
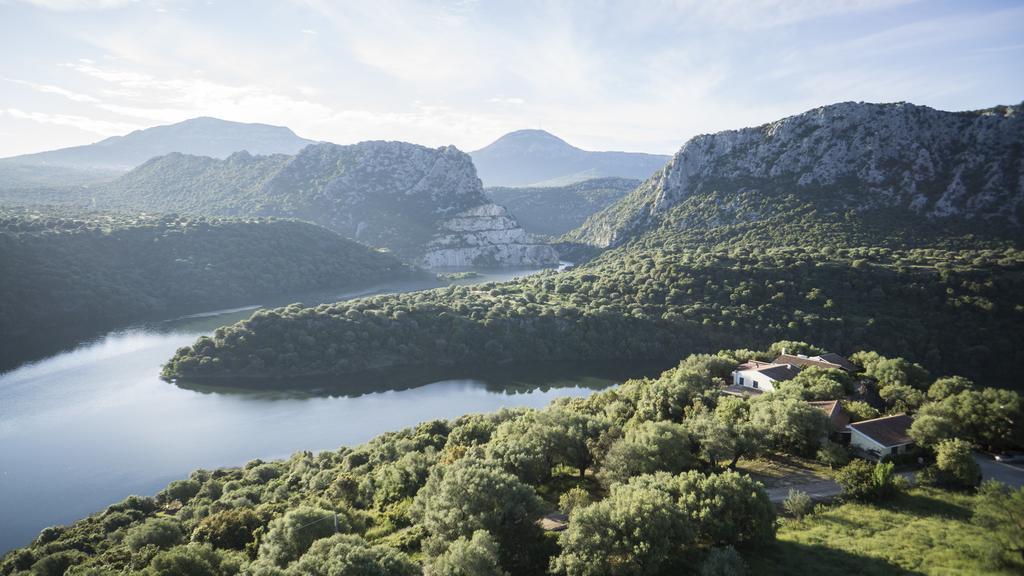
<point>532,156</point>
<point>529,136</point>
<point>201,136</point>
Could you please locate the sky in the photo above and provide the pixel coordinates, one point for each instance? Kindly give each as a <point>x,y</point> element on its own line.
<point>640,75</point>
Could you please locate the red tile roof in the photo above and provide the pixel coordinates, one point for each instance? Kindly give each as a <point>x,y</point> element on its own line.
<point>888,430</point>
<point>834,410</point>
<point>827,360</point>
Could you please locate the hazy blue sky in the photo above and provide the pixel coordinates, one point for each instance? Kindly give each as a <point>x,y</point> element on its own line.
<point>632,75</point>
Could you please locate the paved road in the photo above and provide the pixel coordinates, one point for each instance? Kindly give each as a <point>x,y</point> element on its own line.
<point>1013,476</point>
<point>817,490</point>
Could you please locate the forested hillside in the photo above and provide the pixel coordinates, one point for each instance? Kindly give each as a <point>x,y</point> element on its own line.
<point>719,268</point>
<point>555,210</point>
<point>649,473</point>
<point>410,199</point>
<point>64,269</point>
<point>941,166</point>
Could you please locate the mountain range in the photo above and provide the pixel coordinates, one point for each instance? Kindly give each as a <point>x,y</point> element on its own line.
<point>538,158</point>
<point>856,226</point>
<point>106,159</point>
<point>940,167</point>
<point>424,204</point>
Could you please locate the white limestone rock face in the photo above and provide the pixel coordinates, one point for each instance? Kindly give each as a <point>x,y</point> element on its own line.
<point>937,164</point>
<point>486,235</point>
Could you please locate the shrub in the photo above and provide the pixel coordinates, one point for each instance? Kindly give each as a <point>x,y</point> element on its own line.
<point>159,532</point>
<point>955,461</point>
<point>797,504</point>
<point>724,561</point>
<point>573,498</point>
<point>862,481</point>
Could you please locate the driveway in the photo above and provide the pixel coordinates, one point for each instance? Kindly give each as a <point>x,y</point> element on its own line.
<point>1011,475</point>
<point>817,490</point>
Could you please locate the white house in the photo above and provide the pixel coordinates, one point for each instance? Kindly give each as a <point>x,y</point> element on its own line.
<point>881,437</point>
<point>762,376</point>
<point>826,360</point>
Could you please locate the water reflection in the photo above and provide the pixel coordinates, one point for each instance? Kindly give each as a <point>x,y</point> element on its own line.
<point>86,427</point>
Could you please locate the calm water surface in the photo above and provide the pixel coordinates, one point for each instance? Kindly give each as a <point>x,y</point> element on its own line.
<point>86,427</point>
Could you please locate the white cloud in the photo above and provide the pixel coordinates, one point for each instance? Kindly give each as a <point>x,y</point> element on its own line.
<point>96,126</point>
<point>500,100</point>
<point>79,5</point>
<point>51,89</point>
<point>309,31</point>
<point>762,14</point>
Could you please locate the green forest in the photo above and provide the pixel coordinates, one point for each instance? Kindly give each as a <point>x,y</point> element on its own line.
<point>555,210</point>
<point>707,277</point>
<point>64,268</point>
<point>650,474</point>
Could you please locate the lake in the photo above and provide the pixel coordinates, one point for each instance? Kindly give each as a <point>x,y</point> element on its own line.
<point>87,426</point>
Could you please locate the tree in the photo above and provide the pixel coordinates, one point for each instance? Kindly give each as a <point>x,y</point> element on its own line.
<point>988,417</point>
<point>159,532</point>
<point>948,386</point>
<point>574,498</point>
<point>859,410</point>
<point>723,436</point>
<point>928,428</point>
<point>816,383</point>
<point>789,424</point>
<point>635,531</point>
<point>901,397</point>
<point>233,528</point>
<point>646,448</point>
<point>476,556</point>
<point>667,397</point>
<point>723,561</point>
<point>955,460</point>
<point>470,495</point>
<point>351,555</point>
<point>1000,509</point>
<point>863,481</point>
<point>289,536</point>
<point>834,455</point>
<point>797,503</point>
<point>195,560</point>
<point>725,509</point>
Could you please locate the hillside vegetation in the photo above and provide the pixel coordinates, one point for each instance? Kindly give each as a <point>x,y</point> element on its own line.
<point>645,472</point>
<point>719,267</point>
<point>386,194</point>
<point>553,211</point>
<point>64,269</point>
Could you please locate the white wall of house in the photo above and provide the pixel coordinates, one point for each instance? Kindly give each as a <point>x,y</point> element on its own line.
<point>869,446</point>
<point>753,379</point>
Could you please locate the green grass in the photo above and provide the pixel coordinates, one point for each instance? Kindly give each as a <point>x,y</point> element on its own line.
<point>925,531</point>
<point>776,470</point>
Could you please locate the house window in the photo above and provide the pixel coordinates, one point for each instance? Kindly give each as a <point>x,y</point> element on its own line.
<point>754,382</point>
<point>741,380</point>
<point>895,450</point>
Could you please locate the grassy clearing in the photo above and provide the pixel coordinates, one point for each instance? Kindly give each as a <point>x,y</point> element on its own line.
<point>925,531</point>
<point>777,470</point>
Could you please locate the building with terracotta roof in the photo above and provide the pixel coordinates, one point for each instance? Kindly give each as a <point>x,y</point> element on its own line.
<point>881,437</point>
<point>762,375</point>
<point>826,360</point>
<point>834,410</point>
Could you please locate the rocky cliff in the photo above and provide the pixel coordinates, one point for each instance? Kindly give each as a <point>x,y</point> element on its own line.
<point>486,235</point>
<point>849,156</point>
<point>391,195</point>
